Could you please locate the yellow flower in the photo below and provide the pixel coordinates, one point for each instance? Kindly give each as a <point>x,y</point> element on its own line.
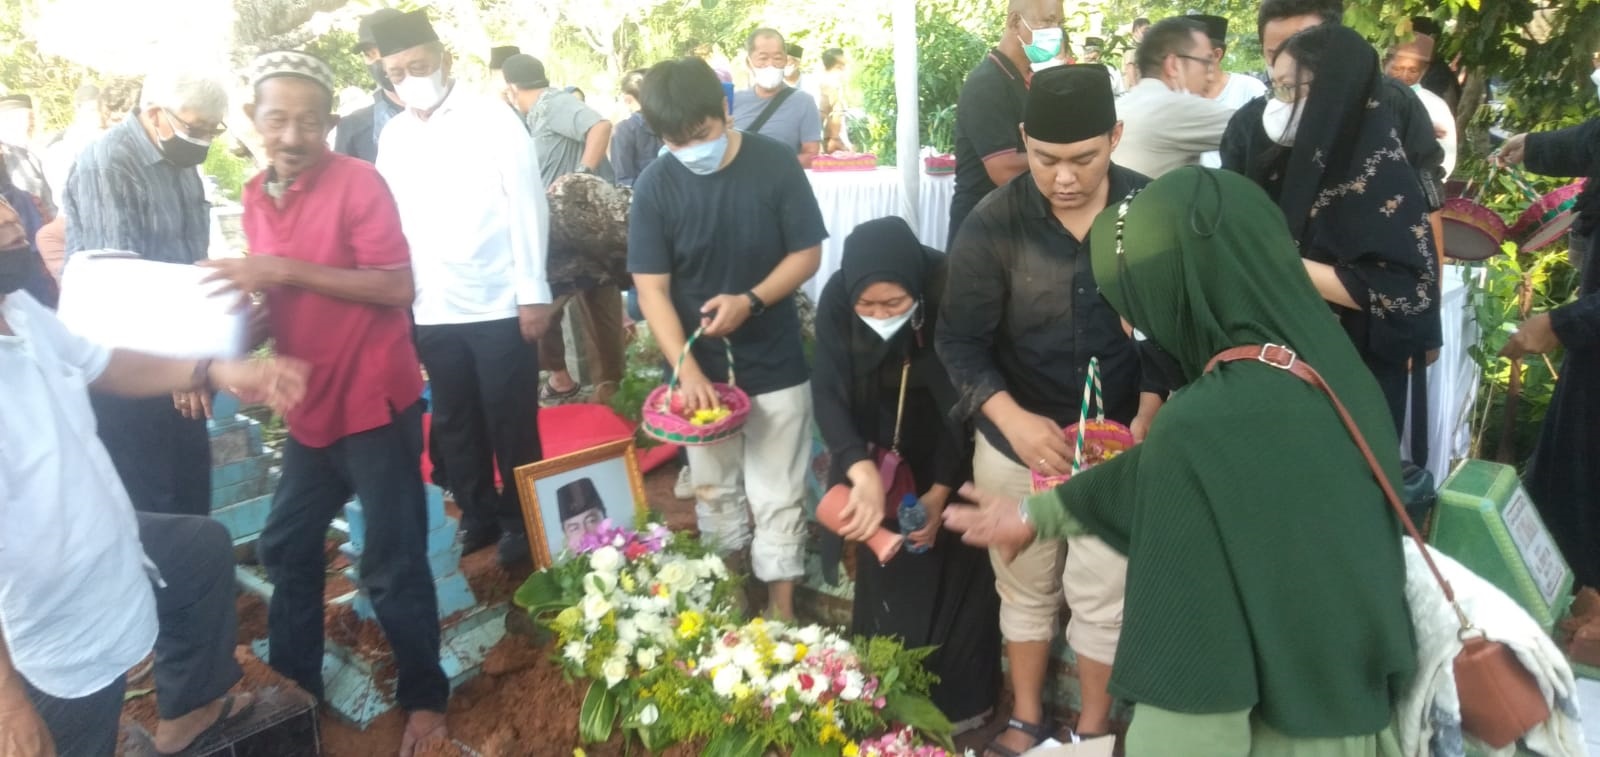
<point>852,749</point>
<point>799,652</point>
<point>569,619</point>
<point>627,582</point>
<point>829,733</point>
<point>689,624</point>
<point>579,753</point>
<point>708,416</point>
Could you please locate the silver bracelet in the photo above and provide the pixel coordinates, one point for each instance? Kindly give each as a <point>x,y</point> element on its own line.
<point>1022,511</point>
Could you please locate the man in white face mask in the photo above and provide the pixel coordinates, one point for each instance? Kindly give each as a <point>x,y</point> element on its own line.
<point>1407,63</point>
<point>1167,122</point>
<point>772,108</point>
<point>472,204</point>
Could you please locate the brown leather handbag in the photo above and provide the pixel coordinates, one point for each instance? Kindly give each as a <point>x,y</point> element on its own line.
<point>1500,700</point>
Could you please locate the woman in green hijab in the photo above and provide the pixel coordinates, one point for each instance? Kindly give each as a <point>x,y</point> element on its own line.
<point>1265,608</point>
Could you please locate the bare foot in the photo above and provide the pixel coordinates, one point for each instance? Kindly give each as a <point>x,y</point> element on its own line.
<point>423,727</point>
<point>173,736</point>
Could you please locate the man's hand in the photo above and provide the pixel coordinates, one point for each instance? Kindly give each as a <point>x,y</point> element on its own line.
<point>535,320</point>
<point>1513,152</point>
<point>1039,443</point>
<point>1149,405</point>
<point>1534,337</point>
<point>279,383</point>
<point>22,733</point>
<point>933,502</point>
<point>249,274</point>
<point>996,522</point>
<point>724,314</point>
<point>864,513</point>
<point>694,387</point>
<point>193,405</point>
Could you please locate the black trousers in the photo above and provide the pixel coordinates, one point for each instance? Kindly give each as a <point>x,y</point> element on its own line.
<point>198,629</point>
<point>485,382</point>
<point>163,458</point>
<point>380,467</point>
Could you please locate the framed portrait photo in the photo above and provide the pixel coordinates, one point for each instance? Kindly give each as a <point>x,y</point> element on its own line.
<point>567,497</point>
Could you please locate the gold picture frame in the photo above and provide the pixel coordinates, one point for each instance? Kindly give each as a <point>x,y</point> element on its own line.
<point>597,465</point>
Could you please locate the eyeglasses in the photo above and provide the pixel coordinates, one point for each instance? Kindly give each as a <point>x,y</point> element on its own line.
<point>194,131</point>
<point>1288,92</point>
<point>1207,62</point>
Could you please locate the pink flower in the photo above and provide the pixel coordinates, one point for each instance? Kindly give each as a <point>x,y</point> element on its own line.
<point>880,703</point>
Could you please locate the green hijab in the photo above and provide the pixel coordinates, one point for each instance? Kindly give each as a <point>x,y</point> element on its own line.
<point>1264,569</point>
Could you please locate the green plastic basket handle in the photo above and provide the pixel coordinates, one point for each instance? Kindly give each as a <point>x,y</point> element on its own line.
<point>1091,395</point>
<point>672,385</point>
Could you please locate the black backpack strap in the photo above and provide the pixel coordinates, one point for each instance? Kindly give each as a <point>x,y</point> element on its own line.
<point>767,112</point>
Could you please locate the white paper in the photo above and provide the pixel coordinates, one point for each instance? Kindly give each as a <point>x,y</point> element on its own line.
<point>160,308</point>
<point>1099,746</point>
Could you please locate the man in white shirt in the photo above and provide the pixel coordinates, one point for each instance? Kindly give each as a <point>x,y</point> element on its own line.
<point>87,585</point>
<point>472,205</point>
<point>1166,120</point>
<point>1230,89</point>
<point>1093,48</point>
<point>1407,63</point>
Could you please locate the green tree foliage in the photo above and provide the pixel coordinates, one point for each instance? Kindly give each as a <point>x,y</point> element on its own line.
<point>51,81</point>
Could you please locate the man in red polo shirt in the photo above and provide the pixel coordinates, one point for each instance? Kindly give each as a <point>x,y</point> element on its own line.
<point>327,251</point>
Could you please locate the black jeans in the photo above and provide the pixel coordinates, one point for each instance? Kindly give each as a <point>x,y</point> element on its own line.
<point>485,382</point>
<point>198,629</point>
<point>380,467</point>
<point>163,458</point>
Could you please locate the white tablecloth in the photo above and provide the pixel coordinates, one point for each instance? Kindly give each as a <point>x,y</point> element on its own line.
<point>1453,379</point>
<point>849,198</point>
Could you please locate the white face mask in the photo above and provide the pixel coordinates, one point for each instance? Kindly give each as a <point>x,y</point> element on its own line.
<point>768,77</point>
<point>886,328</point>
<point>422,93</point>
<point>1595,77</point>
<point>1281,120</point>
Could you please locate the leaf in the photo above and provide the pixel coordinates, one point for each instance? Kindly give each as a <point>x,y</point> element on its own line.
<point>815,750</point>
<point>922,714</point>
<point>598,713</point>
<point>735,742</point>
<point>541,588</point>
<point>654,739</point>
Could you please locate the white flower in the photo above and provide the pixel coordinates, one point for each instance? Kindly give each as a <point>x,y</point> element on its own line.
<point>725,679</point>
<point>615,669</point>
<point>649,715</point>
<point>783,652</point>
<point>715,566</point>
<point>746,656</point>
<point>647,658</point>
<point>576,652</point>
<point>809,635</point>
<point>595,607</point>
<point>677,577</point>
<point>606,560</point>
<point>627,631</point>
<point>622,649</point>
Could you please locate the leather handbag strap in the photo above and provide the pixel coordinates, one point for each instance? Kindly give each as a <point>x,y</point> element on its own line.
<point>1285,359</point>
<point>900,408</point>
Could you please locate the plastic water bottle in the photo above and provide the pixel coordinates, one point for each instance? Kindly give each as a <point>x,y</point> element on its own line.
<point>913,516</point>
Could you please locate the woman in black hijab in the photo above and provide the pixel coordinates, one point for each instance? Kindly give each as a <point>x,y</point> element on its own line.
<point>1329,152</point>
<point>876,315</point>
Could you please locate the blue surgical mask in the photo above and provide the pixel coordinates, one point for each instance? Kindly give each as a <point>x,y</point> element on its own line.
<point>704,158</point>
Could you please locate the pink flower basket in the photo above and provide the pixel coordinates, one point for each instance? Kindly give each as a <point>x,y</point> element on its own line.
<point>664,413</point>
<point>1102,440</point>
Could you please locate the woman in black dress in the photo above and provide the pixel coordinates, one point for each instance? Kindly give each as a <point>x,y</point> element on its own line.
<point>876,314</point>
<point>1329,151</point>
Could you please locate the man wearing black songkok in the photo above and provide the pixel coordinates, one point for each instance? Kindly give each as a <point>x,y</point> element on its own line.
<point>1016,334</point>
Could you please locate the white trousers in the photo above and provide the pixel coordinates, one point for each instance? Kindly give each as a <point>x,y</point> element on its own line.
<point>772,452</point>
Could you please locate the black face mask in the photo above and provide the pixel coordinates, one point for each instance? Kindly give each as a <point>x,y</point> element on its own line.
<point>379,75</point>
<point>182,152</point>
<point>16,268</point>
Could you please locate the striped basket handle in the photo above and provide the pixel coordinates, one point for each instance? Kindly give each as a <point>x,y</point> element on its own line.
<point>1522,184</point>
<point>1091,393</point>
<point>672,385</point>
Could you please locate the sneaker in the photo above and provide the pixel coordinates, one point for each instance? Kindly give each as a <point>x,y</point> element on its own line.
<point>514,551</point>
<point>684,489</point>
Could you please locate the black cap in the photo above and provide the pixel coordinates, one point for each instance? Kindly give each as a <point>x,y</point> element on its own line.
<point>526,72</point>
<point>16,102</point>
<point>364,33</point>
<point>1425,25</point>
<point>498,55</point>
<point>1068,104</point>
<point>796,51</point>
<point>1216,27</point>
<point>403,32</point>
<point>577,498</point>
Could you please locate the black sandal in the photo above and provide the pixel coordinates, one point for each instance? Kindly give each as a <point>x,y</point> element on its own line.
<point>1036,731</point>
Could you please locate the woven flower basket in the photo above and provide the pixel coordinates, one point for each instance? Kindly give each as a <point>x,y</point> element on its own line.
<point>1096,436</point>
<point>663,409</point>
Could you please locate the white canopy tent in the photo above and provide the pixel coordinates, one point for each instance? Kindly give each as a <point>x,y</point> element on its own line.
<point>908,138</point>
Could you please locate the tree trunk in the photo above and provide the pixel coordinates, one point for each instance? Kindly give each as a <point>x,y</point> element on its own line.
<point>1473,95</point>
<point>262,25</point>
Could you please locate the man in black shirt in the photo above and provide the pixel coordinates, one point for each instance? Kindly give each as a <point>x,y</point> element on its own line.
<point>989,149</point>
<point>721,234</point>
<point>357,134</point>
<point>1021,321</point>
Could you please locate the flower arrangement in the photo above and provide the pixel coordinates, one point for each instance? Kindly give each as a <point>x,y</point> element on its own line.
<point>649,619</point>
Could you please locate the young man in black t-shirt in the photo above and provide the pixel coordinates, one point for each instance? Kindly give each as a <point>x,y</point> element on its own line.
<point>721,234</point>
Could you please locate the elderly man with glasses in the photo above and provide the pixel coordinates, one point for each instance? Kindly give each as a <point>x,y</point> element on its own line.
<point>1167,121</point>
<point>137,189</point>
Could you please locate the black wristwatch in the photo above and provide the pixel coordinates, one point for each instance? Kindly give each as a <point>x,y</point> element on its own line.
<point>757,307</point>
